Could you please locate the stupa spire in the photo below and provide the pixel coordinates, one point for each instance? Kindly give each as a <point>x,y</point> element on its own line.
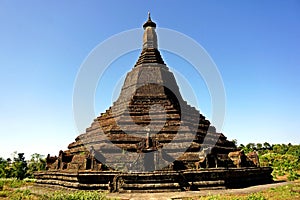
<point>150,53</point>
<point>150,37</point>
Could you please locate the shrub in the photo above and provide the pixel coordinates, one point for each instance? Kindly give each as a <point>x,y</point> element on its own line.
<point>293,176</point>
<point>285,164</point>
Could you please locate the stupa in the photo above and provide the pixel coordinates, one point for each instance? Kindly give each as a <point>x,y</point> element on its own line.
<point>151,140</point>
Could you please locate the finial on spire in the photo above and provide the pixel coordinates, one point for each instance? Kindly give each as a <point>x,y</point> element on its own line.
<point>149,22</point>
<point>149,38</point>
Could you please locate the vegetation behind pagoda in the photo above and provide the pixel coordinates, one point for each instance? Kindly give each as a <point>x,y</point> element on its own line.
<point>20,168</point>
<point>283,158</point>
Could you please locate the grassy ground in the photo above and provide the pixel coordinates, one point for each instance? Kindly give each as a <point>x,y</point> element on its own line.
<point>16,190</point>
<point>288,192</point>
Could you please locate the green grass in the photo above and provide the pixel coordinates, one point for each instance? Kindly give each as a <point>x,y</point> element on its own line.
<point>13,189</point>
<point>287,192</point>
<point>11,182</point>
<point>78,195</point>
<point>254,196</point>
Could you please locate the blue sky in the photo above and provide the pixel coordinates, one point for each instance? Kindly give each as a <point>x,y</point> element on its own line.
<point>255,44</point>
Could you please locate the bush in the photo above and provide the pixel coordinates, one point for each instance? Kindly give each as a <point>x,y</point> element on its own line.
<point>285,164</point>
<point>293,176</point>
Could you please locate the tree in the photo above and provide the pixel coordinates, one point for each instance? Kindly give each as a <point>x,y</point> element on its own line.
<point>280,148</point>
<point>250,146</point>
<point>3,166</point>
<point>267,146</point>
<point>19,166</point>
<point>294,150</point>
<point>234,141</point>
<point>259,146</point>
<point>36,163</point>
<point>241,146</point>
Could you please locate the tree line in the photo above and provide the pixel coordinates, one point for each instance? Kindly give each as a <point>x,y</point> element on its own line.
<point>20,168</point>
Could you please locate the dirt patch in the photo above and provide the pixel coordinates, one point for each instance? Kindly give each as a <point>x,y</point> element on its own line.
<point>192,194</point>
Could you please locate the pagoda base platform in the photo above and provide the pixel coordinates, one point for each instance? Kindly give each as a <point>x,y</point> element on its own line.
<point>158,181</point>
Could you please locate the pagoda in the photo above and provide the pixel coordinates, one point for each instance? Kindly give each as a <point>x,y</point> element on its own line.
<point>150,140</point>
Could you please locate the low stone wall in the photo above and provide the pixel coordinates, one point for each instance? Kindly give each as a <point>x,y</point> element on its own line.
<point>84,180</point>
<point>158,181</point>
